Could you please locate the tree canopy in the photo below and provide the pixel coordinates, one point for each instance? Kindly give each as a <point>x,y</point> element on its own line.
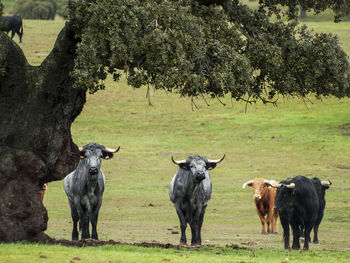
<point>35,9</point>
<point>197,48</point>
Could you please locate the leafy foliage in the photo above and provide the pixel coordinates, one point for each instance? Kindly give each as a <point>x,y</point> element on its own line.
<point>196,48</point>
<point>344,10</point>
<point>35,9</point>
<point>276,6</point>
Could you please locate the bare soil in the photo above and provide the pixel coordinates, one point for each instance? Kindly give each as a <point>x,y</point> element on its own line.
<point>92,242</point>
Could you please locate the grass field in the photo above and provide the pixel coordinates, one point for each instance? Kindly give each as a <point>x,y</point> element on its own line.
<point>294,138</point>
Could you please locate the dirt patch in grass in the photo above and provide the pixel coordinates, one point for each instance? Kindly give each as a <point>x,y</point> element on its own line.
<point>340,219</point>
<point>93,243</point>
<point>339,189</point>
<point>345,128</point>
<point>45,239</point>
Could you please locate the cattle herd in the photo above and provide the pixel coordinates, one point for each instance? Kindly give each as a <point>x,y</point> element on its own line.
<point>299,202</point>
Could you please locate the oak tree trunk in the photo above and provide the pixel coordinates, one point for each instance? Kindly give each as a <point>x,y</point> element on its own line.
<point>37,107</point>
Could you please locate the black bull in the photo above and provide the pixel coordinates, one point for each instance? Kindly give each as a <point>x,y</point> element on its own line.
<point>14,24</point>
<point>300,202</point>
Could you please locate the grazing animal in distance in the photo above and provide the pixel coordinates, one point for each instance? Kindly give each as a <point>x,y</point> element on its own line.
<point>13,24</point>
<point>84,188</point>
<point>298,205</point>
<point>264,197</point>
<point>190,192</point>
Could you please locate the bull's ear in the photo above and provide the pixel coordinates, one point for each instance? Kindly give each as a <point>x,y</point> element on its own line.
<point>210,166</point>
<point>185,166</point>
<point>82,154</point>
<point>107,155</point>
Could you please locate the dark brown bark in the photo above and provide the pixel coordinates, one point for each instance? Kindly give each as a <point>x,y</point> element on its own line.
<point>37,107</point>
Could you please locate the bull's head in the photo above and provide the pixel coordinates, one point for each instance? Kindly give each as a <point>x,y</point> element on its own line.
<point>285,195</point>
<point>260,186</point>
<point>92,154</point>
<point>197,165</point>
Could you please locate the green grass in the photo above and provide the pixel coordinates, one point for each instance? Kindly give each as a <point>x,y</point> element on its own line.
<point>28,253</point>
<point>272,142</point>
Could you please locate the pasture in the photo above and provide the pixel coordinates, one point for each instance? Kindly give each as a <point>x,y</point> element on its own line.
<point>297,137</point>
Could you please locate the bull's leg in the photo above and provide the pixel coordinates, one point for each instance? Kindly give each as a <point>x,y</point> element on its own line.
<point>12,33</point>
<point>20,36</point>
<point>296,236</point>
<point>195,232</point>
<point>316,234</point>
<point>75,219</point>
<point>285,226</point>
<point>262,220</point>
<point>195,229</point>
<point>83,219</point>
<point>302,233</point>
<point>270,220</point>
<point>275,222</point>
<point>317,224</point>
<point>183,224</point>
<point>201,217</point>
<point>308,228</point>
<point>269,224</point>
<point>94,219</point>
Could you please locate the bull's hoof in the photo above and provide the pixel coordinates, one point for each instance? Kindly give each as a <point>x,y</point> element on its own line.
<point>315,242</point>
<point>196,246</point>
<point>89,239</point>
<point>263,233</point>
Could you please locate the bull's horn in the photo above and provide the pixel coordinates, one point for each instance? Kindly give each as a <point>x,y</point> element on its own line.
<point>291,185</point>
<point>326,183</point>
<point>178,162</point>
<point>271,183</point>
<point>218,160</point>
<point>278,185</point>
<point>81,148</point>
<point>110,150</point>
<point>246,183</point>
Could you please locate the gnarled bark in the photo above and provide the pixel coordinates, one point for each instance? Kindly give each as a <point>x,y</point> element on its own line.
<point>37,107</point>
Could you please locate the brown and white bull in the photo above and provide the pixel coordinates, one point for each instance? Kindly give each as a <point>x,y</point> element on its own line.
<point>264,196</point>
